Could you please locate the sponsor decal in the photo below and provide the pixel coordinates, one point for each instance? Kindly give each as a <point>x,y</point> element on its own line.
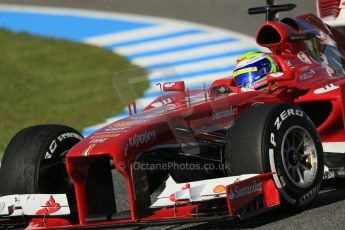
<point>258,84</point>
<point>69,135</point>
<point>219,189</point>
<point>186,186</point>
<point>238,191</point>
<point>172,197</point>
<point>174,86</point>
<point>277,74</point>
<point>326,89</point>
<point>304,58</point>
<point>116,130</point>
<point>50,207</point>
<point>54,144</point>
<point>87,150</point>
<point>224,113</point>
<point>307,75</point>
<point>142,138</point>
<point>285,114</point>
<point>106,135</point>
<point>310,195</point>
<point>245,70</point>
<point>51,150</point>
<point>95,141</point>
<point>126,123</point>
<point>245,62</point>
<point>169,84</point>
<point>111,132</point>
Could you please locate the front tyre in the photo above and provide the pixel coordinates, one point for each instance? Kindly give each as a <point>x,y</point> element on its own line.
<point>34,162</point>
<point>278,138</point>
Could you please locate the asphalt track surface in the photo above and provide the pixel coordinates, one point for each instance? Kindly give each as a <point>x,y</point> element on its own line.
<point>328,211</point>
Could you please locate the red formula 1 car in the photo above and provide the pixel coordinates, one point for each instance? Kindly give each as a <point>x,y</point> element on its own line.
<point>216,153</point>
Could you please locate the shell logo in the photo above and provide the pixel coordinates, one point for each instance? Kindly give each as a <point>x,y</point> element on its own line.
<point>219,189</point>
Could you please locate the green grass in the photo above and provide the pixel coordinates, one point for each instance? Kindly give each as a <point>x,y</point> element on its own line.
<point>45,81</point>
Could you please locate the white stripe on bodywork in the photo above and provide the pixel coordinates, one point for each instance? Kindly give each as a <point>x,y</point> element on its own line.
<point>333,147</point>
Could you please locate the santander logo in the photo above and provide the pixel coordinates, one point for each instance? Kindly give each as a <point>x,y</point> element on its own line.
<point>239,191</point>
<point>51,207</point>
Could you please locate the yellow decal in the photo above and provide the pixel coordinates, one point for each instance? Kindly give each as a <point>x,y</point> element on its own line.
<point>219,189</point>
<point>125,123</point>
<point>100,136</point>
<point>245,70</point>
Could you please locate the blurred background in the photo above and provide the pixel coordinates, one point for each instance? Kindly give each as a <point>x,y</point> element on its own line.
<point>227,14</point>
<point>62,64</point>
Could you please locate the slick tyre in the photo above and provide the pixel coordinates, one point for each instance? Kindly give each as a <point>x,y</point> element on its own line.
<point>34,162</point>
<point>278,138</point>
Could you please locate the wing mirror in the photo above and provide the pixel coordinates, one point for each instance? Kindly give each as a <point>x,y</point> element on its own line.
<point>178,86</point>
<point>279,76</point>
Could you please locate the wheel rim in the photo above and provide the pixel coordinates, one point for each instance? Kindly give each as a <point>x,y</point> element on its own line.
<point>299,157</point>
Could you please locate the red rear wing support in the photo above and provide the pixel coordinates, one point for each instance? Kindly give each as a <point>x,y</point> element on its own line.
<point>253,196</point>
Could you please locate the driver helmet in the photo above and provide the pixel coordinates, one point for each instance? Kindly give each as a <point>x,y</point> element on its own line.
<point>251,70</point>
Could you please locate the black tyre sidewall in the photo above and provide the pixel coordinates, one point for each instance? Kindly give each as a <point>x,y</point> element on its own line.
<point>248,145</point>
<point>27,150</point>
<point>277,125</point>
<point>64,138</point>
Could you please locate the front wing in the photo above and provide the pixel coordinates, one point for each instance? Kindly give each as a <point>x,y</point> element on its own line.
<point>223,198</point>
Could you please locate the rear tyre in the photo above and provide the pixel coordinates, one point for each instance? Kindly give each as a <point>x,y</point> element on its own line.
<point>34,162</point>
<point>282,139</point>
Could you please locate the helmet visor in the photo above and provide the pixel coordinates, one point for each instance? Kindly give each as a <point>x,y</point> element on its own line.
<point>248,76</point>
